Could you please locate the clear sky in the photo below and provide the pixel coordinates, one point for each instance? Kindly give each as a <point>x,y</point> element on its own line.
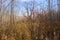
<point>41,2</point>
<point>21,3</point>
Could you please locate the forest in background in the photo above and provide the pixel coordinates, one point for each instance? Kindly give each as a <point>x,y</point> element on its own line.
<point>34,25</point>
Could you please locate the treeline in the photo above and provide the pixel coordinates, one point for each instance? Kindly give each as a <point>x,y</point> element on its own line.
<point>37,24</point>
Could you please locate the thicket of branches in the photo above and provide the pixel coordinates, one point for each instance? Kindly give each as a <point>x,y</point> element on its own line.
<point>36,25</point>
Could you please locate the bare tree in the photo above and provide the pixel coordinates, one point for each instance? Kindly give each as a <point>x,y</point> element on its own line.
<point>58,4</point>
<point>12,12</point>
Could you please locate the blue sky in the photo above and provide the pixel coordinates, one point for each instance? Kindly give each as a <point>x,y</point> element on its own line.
<point>42,3</point>
<point>20,4</point>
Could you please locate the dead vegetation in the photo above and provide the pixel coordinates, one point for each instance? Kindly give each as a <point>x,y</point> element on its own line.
<point>36,25</point>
